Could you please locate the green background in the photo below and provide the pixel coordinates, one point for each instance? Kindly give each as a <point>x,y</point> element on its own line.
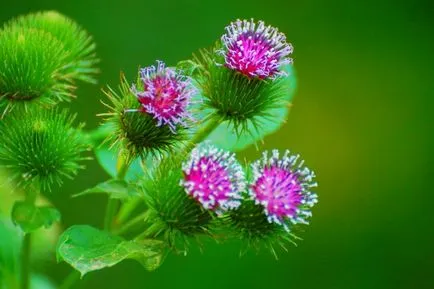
<point>362,119</point>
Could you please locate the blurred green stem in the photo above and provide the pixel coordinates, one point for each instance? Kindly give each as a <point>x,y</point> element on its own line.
<point>73,277</point>
<point>25,262</point>
<point>27,242</point>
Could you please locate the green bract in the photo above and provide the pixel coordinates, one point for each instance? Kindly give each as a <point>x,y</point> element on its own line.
<point>77,43</point>
<point>250,224</point>
<point>172,214</point>
<point>40,145</point>
<point>31,68</point>
<point>137,132</point>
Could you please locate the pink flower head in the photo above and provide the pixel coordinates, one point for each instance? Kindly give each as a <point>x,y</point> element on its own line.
<point>214,178</point>
<point>255,50</point>
<point>282,187</point>
<point>165,96</point>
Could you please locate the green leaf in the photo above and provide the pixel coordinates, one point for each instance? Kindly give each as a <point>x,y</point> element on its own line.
<point>116,189</point>
<point>225,137</point>
<point>88,249</point>
<point>30,218</point>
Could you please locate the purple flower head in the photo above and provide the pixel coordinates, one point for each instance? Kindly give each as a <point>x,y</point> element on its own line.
<point>282,187</point>
<point>214,178</point>
<point>255,50</point>
<point>165,96</point>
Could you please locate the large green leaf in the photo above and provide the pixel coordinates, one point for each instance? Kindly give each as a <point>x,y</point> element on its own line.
<point>88,249</point>
<point>30,217</point>
<point>225,137</point>
<point>116,189</point>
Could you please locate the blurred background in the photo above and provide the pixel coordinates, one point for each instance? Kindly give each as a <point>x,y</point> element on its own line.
<point>362,118</point>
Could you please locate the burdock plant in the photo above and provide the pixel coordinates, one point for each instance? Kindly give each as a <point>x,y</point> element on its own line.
<point>168,141</point>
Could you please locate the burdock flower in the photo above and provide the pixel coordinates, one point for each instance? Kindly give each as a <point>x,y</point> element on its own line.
<point>255,50</point>
<point>282,186</point>
<point>165,96</point>
<point>214,178</point>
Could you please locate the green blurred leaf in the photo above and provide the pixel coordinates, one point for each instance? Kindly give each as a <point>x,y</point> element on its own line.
<point>41,282</point>
<point>88,249</point>
<point>30,218</point>
<point>116,189</point>
<point>225,137</point>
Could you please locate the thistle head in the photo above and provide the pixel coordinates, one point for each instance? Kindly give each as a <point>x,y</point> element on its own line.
<point>255,50</point>
<point>165,96</point>
<point>214,178</point>
<point>154,120</point>
<point>40,145</point>
<point>243,78</point>
<point>172,214</point>
<point>282,185</point>
<point>278,199</point>
<point>31,69</point>
<point>80,60</point>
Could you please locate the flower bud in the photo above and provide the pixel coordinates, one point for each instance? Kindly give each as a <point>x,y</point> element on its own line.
<point>243,77</point>
<point>77,43</point>
<point>40,145</point>
<point>31,69</point>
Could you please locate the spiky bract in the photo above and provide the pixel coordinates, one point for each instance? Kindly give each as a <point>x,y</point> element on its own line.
<point>31,69</point>
<point>40,146</point>
<point>249,224</point>
<point>78,44</point>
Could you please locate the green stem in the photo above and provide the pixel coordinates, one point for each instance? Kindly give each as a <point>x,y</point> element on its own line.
<point>70,280</point>
<point>132,223</point>
<point>25,262</point>
<point>127,209</point>
<point>205,131</point>
<point>112,205</point>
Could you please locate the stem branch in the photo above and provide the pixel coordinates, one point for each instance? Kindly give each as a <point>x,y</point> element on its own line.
<point>205,131</point>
